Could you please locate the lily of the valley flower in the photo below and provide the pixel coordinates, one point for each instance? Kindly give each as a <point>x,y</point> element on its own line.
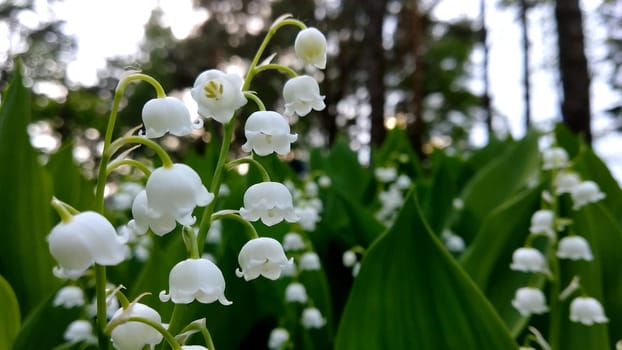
<point>528,260</point>
<point>574,248</point>
<point>198,279</point>
<point>269,201</point>
<point>175,191</point>
<point>542,222</point>
<point>385,174</point>
<point>296,293</point>
<point>585,193</point>
<point>312,318</point>
<point>554,158</point>
<point>87,238</point>
<point>68,297</point>
<point>193,347</point>
<point>293,241</point>
<point>168,114</point>
<point>145,218</point>
<point>278,338</point>
<point>587,311</point>
<point>308,217</point>
<point>566,181</point>
<point>349,258</point>
<point>529,301</point>
<point>310,47</point>
<point>262,256</point>
<point>133,335</point>
<point>302,94</point>
<point>310,261</point>
<point>218,94</point>
<point>80,331</point>
<point>267,132</point>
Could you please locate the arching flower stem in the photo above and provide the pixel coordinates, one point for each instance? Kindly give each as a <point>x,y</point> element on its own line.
<point>248,160</point>
<point>115,146</point>
<point>131,162</point>
<point>251,96</point>
<point>233,215</point>
<point>199,325</point>
<point>279,67</point>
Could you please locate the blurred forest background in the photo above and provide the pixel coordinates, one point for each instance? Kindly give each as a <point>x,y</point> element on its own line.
<point>391,64</point>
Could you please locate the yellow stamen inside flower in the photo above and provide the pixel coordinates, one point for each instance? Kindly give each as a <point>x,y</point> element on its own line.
<point>213,89</point>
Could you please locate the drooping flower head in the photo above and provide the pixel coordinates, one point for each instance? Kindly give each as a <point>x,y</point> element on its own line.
<point>554,158</point>
<point>198,279</point>
<point>587,311</point>
<point>296,292</point>
<point>262,256</point>
<point>566,181</point>
<point>87,238</point>
<point>269,201</point>
<point>349,258</point>
<point>167,114</point>
<point>293,241</point>
<point>144,218</point>
<point>529,301</point>
<point>542,222</point>
<point>68,297</point>
<point>267,132</point>
<point>310,261</point>
<point>80,331</point>
<point>302,94</point>
<point>310,47</point>
<point>528,260</point>
<point>385,174</point>
<point>312,318</point>
<point>278,338</point>
<point>574,248</point>
<point>585,193</point>
<point>133,335</point>
<point>218,94</point>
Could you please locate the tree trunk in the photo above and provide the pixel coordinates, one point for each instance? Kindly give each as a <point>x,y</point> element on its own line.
<point>485,67</point>
<point>573,68</point>
<point>415,130</point>
<point>526,80</point>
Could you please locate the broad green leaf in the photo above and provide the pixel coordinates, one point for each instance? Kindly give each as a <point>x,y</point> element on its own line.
<point>411,294</point>
<point>9,316</point>
<point>346,172</point>
<point>25,210</point>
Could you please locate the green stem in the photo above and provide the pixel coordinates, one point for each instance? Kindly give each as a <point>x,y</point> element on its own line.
<point>164,157</point>
<point>191,242</point>
<point>248,160</point>
<point>62,210</point>
<point>256,99</point>
<point>131,162</point>
<point>276,66</point>
<point>233,215</point>
<point>209,343</point>
<point>100,295</point>
<point>556,278</point>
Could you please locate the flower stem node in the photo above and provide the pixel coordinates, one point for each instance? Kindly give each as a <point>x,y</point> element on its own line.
<point>301,95</point>
<point>528,260</point>
<point>310,47</point>
<point>218,94</point>
<point>529,301</point>
<point>269,201</point>
<point>134,335</point>
<point>574,248</point>
<point>587,310</point>
<point>198,279</point>
<point>87,238</point>
<point>168,114</point>
<point>262,256</point>
<point>585,193</point>
<point>312,318</point>
<point>267,132</point>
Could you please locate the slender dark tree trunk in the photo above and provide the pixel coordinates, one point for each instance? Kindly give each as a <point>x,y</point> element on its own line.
<point>485,67</point>
<point>573,68</point>
<point>375,67</point>
<point>526,80</point>
<point>415,130</point>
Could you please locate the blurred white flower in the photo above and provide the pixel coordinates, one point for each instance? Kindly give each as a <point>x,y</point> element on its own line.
<point>198,279</point>
<point>554,158</point>
<point>68,297</point>
<point>403,182</point>
<point>218,94</point>
<point>296,293</point>
<point>214,234</point>
<point>585,193</point>
<point>80,331</point>
<point>385,174</point>
<point>87,238</point>
<point>133,335</point>
<point>261,256</point>
<point>311,189</point>
<point>301,95</point>
<point>542,222</point>
<point>267,132</point>
<point>457,203</point>
<point>167,114</point>
<point>145,218</point>
<point>324,181</point>
<point>122,199</point>
<point>566,181</point>
<point>529,301</point>
<point>193,347</point>
<point>574,248</point>
<point>312,318</point>
<point>310,47</point>
<point>348,258</point>
<point>293,241</point>
<point>587,310</point>
<point>309,261</point>
<point>269,201</point>
<point>308,217</point>
<point>528,260</point>
<point>452,241</point>
<point>355,269</point>
<point>278,338</point>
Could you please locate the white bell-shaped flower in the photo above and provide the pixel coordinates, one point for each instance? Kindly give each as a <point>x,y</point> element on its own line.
<point>403,182</point>
<point>585,193</point>
<point>566,181</point>
<point>193,347</point>
<point>310,47</point>
<point>80,331</point>
<point>312,318</point>
<point>574,248</point>
<point>542,222</point>
<point>269,201</point>
<point>175,191</point>
<point>587,310</point>
<point>387,174</point>
<point>349,258</point>
<point>68,297</point>
<point>87,238</point>
<point>452,241</point>
<point>310,261</point>
<point>554,158</point>
<point>296,292</point>
<point>198,279</point>
<point>528,260</point>
<point>278,338</point>
<point>529,301</point>
<point>145,218</point>
<point>324,181</point>
<point>261,256</point>
<point>218,94</point>
<point>133,335</point>
<point>301,94</point>
<point>267,132</point>
<point>308,217</point>
<point>167,114</point>
<point>293,241</point>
